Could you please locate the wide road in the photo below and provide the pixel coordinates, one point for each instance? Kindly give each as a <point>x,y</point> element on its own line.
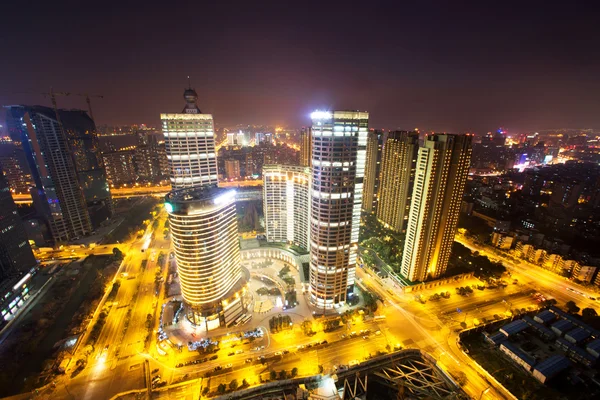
<point>550,284</point>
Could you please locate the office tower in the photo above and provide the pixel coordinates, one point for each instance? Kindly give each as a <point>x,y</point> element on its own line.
<point>372,168</point>
<point>205,241</point>
<point>398,163</point>
<point>120,167</point>
<point>339,141</point>
<point>286,204</point>
<point>305,147</point>
<point>190,144</point>
<point>440,176</point>
<point>232,169</point>
<point>58,195</point>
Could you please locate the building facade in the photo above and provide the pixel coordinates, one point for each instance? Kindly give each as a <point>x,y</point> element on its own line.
<point>372,171</point>
<point>120,167</point>
<point>232,169</point>
<point>58,195</point>
<point>305,147</point>
<point>440,177</point>
<point>339,140</point>
<point>204,235</point>
<point>190,145</point>
<point>398,164</point>
<point>286,204</point>
<point>17,261</point>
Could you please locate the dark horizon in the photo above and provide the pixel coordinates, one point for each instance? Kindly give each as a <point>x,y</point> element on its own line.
<point>437,67</point>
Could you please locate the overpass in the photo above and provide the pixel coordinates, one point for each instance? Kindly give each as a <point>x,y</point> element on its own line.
<point>247,191</point>
<point>409,374</point>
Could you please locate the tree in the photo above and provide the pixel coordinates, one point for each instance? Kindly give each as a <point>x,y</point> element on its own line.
<point>222,388</point>
<point>320,369</point>
<point>588,313</point>
<point>117,253</point>
<point>282,374</point>
<point>572,307</point>
<point>245,383</point>
<point>273,375</point>
<point>294,371</point>
<point>233,385</point>
<point>205,391</point>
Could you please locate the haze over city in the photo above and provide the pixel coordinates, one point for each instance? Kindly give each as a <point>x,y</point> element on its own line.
<point>438,66</point>
<point>300,201</point>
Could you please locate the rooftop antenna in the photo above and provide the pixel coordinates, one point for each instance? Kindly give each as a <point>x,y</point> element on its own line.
<point>189,82</point>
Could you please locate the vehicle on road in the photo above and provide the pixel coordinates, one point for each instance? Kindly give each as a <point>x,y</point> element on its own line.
<point>228,366</point>
<point>277,354</point>
<point>352,363</point>
<point>248,360</point>
<point>155,370</point>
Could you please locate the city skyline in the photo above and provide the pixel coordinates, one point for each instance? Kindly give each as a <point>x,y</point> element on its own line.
<point>466,71</point>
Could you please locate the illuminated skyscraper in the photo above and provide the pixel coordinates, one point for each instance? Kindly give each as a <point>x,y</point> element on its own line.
<point>339,140</point>
<point>305,147</point>
<point>397,177</point>
<point>372,170</point>
<point>286,204</point>
<point>190,145</point>
<point>440,176</point>
<point>205,241</point>
<point>59,194</point>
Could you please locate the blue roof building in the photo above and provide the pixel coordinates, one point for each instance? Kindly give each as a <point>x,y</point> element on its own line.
<point>550,367</point>
<point>514,327</point>
<point>577,335</point>
<point>517,355</point>
<point>593,348</point>
<point>545,317</point>
<point>561,327</point>
<point>542,330</point>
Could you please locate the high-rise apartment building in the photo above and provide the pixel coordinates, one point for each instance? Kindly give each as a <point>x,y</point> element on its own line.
<point>339,140</point>
<point>372,168</point>
<point>190,143</point>
<point>120,167</point>
<point>204,234</point>
<point>232,169</point>
<point>305,147</point>
<point>12,160</point>
<point>440,177</point>
<point>286,204</point>
<point>398,163</point>
<point>16,257</point>
<point>58,196</point>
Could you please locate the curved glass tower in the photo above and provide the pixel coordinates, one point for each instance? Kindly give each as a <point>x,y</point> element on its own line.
<point>205,242</point>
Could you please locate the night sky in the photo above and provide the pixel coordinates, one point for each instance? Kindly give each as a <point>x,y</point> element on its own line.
<point>445,66</point>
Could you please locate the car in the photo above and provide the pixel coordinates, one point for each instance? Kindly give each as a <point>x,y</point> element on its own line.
<point>324,342</point>
<point>353,363</point>
<point>248,360</point>
<point>218,368</point>
<point>286,351</point>
<point>239,351</point>
<point>214,357</point>
<point>231,353</point>
<point>179,365</point>
<point>365,337</point>
<point>155,370</point>
<point>229,365</point>
<point>301,347</point>
<point>378,333</point>
<point>277,354</point>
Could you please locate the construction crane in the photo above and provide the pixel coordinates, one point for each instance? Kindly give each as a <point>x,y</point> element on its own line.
<point>52,94</point>
<point>89,102</point>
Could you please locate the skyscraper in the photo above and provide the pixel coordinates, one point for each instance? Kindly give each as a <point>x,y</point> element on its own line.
<point>58,196</point>
<point>339,141</point>
<point>190,142</point>
<point>205,241</point>
<point>372,168</point>
<point>203,222</point>
<point>16,258</point>
<point>398,163</point>
<point>15,253</point>
<point>440,176</point>
<point>286,204</point>
<point>232,169</point>
<point>305,147</point>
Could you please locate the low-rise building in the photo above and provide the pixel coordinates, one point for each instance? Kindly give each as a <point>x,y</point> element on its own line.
<point>593,348</point>
<point>577,335</point>
<point>550,367</point>
<point>514,327</point>
<point>517,355</point>
<point>545,317</point>
<point>561,327</point>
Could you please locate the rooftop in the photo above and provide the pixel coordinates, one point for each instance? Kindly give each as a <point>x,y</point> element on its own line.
<point>553,365</point>
<point>199,193</point>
